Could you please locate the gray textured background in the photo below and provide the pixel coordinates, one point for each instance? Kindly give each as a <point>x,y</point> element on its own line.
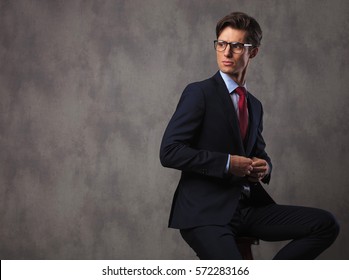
<point>87,88</point>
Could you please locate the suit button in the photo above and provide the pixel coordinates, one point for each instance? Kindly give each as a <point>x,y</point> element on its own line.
<point>204,171</point>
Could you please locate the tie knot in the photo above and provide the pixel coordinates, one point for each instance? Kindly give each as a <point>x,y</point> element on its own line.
<point>240,91</point>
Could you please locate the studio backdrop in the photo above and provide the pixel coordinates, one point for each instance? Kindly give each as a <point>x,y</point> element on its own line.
<point>88,87</point>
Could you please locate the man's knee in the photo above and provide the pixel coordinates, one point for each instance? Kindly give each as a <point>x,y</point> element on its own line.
<point>329,225</point>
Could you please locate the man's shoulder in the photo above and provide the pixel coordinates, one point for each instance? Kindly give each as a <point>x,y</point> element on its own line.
<point>206,83</point>
<point>255,102</point>
<point>253,98</point>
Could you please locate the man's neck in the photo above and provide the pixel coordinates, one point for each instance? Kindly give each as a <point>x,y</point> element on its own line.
<point>238,78</point>
<point>230,83</point>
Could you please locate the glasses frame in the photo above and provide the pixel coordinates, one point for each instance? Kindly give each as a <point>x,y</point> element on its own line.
<point>231,44</point>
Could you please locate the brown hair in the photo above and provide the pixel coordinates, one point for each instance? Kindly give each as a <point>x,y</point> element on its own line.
<point>244,22</point>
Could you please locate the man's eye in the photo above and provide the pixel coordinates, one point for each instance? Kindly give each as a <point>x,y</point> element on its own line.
<point>237,46</point>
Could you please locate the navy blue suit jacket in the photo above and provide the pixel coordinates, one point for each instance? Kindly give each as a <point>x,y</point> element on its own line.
<point>201,134</point>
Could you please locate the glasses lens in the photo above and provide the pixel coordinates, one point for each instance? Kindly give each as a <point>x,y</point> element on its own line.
<point>221,45</point>
<point>237,47</point>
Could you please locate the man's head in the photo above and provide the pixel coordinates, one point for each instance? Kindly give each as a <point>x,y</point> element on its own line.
<point>241,21</point>
<point>238,39</point>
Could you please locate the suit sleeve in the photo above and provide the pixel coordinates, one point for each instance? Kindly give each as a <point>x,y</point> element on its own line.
<point>178,148</point>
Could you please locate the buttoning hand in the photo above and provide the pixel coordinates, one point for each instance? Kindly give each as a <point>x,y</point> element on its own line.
<point>260,169</point>
<point>240,166</point>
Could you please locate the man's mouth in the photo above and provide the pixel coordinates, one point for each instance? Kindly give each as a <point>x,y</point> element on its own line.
<point>227,63</point>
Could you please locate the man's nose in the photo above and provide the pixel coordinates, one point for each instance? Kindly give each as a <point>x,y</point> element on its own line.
<point>228,51</point>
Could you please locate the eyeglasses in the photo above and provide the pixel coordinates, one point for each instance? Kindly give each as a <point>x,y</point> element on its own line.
<point>235,47</point>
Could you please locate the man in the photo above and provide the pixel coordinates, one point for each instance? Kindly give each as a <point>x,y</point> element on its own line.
<point>215,139</point>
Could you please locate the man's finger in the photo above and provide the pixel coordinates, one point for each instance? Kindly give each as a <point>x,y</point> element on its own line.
<point>259,163</point>
<point>259,169</point>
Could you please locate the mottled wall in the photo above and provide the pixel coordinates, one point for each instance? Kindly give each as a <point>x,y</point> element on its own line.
<point>87,88</point>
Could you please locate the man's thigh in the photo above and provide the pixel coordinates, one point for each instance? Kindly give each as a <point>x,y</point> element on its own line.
<point>212,242</point>
<point>282,222</point>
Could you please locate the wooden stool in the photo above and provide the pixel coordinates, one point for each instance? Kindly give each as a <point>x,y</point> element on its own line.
<point>244,245</point>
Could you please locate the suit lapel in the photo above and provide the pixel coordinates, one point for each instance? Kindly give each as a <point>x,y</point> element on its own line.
<point>229,110</point>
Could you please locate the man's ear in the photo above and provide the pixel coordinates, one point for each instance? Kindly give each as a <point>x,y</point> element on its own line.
<point>253,52</point>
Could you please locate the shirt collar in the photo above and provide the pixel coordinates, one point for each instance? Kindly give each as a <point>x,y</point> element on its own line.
<point>230,83</point>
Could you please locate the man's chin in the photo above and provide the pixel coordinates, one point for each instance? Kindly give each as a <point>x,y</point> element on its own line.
<point>227,70</point>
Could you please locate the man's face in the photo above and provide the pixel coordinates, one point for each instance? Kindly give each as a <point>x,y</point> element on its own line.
<point>230,63</point>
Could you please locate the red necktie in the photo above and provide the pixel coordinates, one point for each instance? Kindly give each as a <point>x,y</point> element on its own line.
<point>243,115</point>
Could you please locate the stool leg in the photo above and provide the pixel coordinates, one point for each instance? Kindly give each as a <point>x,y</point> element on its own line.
<point>245,251</point>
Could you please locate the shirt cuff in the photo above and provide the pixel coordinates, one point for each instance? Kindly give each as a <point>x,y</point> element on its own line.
<point>227,165</point>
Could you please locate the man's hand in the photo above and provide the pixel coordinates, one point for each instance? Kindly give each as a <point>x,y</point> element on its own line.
<point>240,166</point>
<point>260,169</point>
